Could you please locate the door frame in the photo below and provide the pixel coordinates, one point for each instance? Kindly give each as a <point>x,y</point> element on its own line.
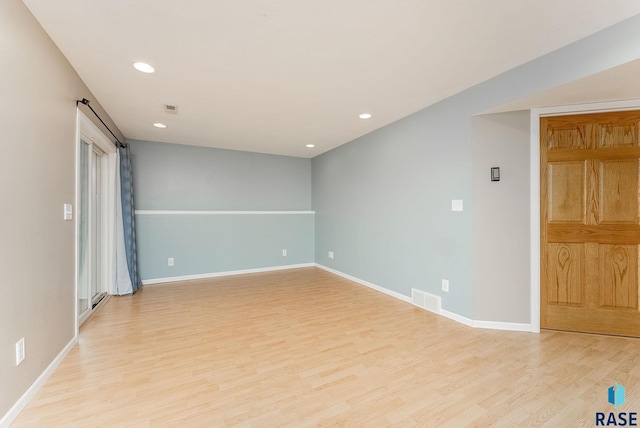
<point>88,131</point>
<point>534,171</point>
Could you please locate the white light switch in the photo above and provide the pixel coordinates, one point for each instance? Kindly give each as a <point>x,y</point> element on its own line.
<point>20,352</point>
<point>68,212</point>
<point>456,205</point>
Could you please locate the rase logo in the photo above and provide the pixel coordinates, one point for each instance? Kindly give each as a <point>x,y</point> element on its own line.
<point>615,396</point>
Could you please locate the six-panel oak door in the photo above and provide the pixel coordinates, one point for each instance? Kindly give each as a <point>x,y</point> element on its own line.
<point>590,225</point>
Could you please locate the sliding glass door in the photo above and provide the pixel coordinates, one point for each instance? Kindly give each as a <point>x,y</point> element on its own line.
<point>91,286</point>
<point>95,217</point>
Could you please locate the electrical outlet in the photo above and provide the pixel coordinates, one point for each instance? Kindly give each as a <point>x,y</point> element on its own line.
<point>20,354</point>
<point>330,254</point>
<point>170,261</point>
<point>445,285</point>
<point>284,253</point>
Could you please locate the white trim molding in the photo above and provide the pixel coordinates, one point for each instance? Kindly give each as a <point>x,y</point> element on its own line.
<point>15,410</point>
<point>366,283</point>
<point>179,212</point>
<point>603,107</point>
<point>534,166</point>
<point>490,325</point>
<point>457,318</point>
<point>534,227</point>
<point>509,326</point>
<point>494,325</point>
<point>154,281</point>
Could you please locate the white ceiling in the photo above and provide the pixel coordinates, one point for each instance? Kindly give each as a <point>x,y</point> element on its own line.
<point>270,76</point>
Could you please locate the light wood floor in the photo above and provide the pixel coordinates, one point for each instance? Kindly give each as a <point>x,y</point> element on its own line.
<point>305,348</point>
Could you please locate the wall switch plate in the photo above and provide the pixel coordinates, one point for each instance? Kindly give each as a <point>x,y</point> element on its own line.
<point>330,254</point>
<point>445,285</point>
<point>456,205</point>
<point>170,261</point>
<point>68,212</point>
<point>284,253</point>
<point>495,173</point>
<point>20,353</point>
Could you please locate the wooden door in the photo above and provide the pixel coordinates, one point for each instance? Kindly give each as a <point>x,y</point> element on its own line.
<point>590,222</point>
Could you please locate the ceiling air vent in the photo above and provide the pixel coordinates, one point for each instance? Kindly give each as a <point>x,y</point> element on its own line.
<point>168,108</point>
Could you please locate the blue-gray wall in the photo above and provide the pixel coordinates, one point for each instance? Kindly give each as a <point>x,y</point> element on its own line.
<point>171,177</point>
<point>180,177</point>
<point>383,201</point>
<point>383,206</point>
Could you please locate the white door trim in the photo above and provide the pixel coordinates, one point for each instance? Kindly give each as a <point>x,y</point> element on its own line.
<point>534,165</point>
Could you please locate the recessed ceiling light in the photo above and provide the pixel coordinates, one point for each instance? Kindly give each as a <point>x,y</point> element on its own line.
<point>159,125</point>
<point>144,67</point>
<point>310,146</point>
<point>365,116</point>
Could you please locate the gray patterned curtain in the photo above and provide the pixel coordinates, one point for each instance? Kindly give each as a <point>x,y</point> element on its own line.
<point>128,216</point>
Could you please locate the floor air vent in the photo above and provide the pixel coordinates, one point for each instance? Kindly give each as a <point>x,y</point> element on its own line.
<point>426,301</point>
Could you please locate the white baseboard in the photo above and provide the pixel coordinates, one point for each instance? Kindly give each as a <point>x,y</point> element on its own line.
<point>366,284</point>
<point>35,387</point>
<point>218,274</point>
<point>493,325</point>
<point>510,326</point>
<point>458,318</point>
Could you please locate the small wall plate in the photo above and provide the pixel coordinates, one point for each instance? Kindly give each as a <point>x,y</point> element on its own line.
<point>495,173</point>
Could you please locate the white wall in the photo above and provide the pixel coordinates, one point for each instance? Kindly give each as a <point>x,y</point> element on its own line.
<point>37,176</point>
